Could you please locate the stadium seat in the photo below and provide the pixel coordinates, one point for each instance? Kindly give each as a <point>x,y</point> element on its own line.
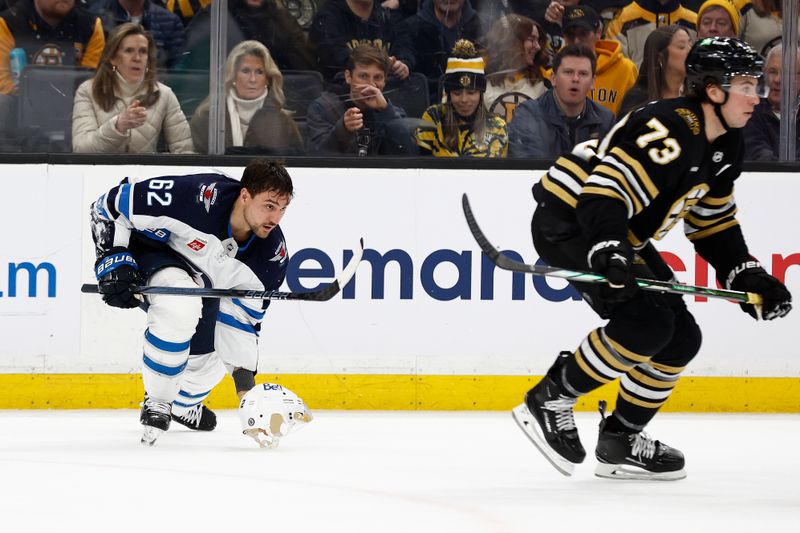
<point>45,103</point>
<point>410,94</point>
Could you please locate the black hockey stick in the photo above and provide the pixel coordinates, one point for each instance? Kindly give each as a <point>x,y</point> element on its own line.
<point>321,295</point>
<point>506,263</point>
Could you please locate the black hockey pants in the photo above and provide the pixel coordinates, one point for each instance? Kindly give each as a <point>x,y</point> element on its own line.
<point>648,340</point>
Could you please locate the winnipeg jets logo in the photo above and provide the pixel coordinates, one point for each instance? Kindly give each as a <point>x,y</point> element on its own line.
<point>208,195</point>
<point>717,157</point>
<point>280,253</point>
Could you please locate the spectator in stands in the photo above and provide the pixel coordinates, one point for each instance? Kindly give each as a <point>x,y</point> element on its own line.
<point>254,113</point>
<point>165,27</point>
<point>52,32</point>
<point>549,13</point>
<point>615,73</point>
<point>638,19</point>
<point>563,116</point>
<point>341,24</point>
<point>663,70</point>
<point>424,40</point>
<point>124,109</point>
<point>354,123</point>
<point>761,23</point>
<point>717,18</point>
<point>185,9</point>
<point>762,132</point>
<point>265,21</point>
<point>404,8</point>
<point>516,56</point>
<point>461,126</point>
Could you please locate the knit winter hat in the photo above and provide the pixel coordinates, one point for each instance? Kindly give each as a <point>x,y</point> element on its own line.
<point>728,6</point>
<point>465,68</point>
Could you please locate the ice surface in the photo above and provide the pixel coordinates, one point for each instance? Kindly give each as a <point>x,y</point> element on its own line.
<point>357,471</point>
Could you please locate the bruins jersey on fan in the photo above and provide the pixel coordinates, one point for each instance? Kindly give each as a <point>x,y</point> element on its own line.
<point>493,144</point>
<point>656,167</point>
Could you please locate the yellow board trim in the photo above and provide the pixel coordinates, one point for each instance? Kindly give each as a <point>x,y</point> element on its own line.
<point>397,392</point>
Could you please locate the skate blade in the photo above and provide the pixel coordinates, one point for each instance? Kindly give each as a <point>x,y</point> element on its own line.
<point>150,435</point>
<point>609,471</point>
<point>527,423</point>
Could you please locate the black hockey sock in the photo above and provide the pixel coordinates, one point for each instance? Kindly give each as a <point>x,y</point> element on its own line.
<point>614,425</point>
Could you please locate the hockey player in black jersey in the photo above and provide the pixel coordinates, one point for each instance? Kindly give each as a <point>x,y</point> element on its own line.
<point>600,206</point>
<point>189,231</point>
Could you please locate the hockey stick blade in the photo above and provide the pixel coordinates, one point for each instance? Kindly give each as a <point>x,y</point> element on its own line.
<point>506,263</point>
<point>321,295</point>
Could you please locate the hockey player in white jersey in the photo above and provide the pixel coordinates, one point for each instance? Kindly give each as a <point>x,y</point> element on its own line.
<point>200,230</point>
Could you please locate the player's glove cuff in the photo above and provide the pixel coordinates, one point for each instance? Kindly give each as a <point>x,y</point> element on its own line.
<point>113,259</point>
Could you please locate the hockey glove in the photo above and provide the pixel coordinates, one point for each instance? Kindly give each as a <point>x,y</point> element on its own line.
<point>117,272</point>
<point>751,277</point>
<point>612,259</point>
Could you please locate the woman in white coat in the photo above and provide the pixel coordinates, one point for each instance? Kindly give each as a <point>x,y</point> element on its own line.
<point>123,109</point>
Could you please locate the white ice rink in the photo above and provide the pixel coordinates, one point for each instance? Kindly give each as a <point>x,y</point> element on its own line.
<point>356,471</point>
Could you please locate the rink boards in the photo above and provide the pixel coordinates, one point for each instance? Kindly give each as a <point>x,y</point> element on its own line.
<point>426,324</point>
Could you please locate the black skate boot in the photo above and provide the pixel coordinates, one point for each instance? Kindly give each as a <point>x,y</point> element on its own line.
<point>546,417</point>
<point>198,417</point>
<point>155,417</point>
<point>624,455</point>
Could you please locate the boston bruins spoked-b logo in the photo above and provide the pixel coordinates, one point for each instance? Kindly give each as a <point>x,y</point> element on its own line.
<point>50,55</point>
<point>505,104</point>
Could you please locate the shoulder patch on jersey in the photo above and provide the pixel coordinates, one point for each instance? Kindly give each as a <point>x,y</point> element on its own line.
<point>208,195</point>
<point>690,118</point>
<point>197,244</point>
<point>280,253</point>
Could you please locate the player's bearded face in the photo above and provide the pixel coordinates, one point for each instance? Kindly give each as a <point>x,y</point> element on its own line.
<point>264,211</point>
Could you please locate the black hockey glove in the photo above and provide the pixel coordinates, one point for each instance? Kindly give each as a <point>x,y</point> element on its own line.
<point>751,277</point>
<point>117,272</point>
<point>612,259</point>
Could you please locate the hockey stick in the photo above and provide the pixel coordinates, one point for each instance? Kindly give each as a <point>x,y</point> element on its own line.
<point>321,295</point>
<point>506,263</point>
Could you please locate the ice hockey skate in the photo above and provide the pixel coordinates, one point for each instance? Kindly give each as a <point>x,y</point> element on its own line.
<point>155,417</point>
<point>198,417</point>
<point>547,418</point>
<point>622,455</point>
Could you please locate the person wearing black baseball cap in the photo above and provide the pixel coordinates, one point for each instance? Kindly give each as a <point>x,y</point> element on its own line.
<point>615,73</point>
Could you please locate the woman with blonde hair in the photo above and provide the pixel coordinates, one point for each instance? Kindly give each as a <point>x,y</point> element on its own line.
<point>461,126</point>
<point>663,69</point>
<point>124,108</point>
<point>254,100</point>
<point>516,55</point>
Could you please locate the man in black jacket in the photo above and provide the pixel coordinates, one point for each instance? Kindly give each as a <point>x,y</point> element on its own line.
<point>424,40</point>
<point>340,25</point>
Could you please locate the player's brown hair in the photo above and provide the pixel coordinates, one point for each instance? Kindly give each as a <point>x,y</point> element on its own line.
<point>262,175</point>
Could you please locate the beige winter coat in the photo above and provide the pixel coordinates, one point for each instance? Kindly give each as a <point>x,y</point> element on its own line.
<point>94,131</point>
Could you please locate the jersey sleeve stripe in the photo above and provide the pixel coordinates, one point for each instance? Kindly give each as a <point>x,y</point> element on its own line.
<point>694,235</point>
<point>629,176</point>
<point>559,191</point>
<point>566,180</point>
<point>638,169</point>
<point>617,175</point>
<point>124,200</point>
<point>602,191</point>
<point>707,200</point>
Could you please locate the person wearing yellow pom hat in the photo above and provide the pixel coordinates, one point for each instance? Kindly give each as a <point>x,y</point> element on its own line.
<point>461,125</point>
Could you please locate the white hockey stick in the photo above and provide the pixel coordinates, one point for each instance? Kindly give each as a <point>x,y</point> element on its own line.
<point>320,295</point>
